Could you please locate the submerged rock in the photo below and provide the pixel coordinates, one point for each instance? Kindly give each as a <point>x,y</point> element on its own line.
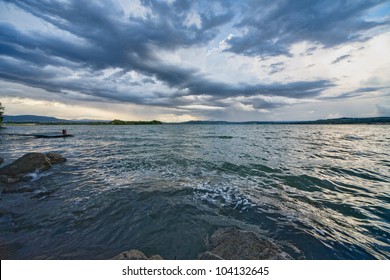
<point>29,163</point>
<point>235,244</point>
<point>8,180</point>
<point>55,158</point>
<point>135,255</point>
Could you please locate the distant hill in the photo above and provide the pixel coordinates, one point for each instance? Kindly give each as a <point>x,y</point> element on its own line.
<point>43,119</point>
<point>52,120</point>
<point>31,119</point>
<point>373,120</point>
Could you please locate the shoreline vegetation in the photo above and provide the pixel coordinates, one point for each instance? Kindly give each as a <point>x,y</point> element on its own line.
<point>66,122</point>
<point>38,120</point>
<point>373,120</point>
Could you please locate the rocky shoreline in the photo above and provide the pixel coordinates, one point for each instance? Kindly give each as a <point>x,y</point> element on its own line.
<point>227,243</point>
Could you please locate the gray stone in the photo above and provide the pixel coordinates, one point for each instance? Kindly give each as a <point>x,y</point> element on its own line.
<point>29,163</point>
<point>135,255</point>
<point>8,180</point>
<point>234,244</point>
<point>55,158</point>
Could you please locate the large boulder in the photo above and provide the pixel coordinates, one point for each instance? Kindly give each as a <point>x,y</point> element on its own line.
<point>234,244</point>
<point>135,255</point>
<point>29,163</point>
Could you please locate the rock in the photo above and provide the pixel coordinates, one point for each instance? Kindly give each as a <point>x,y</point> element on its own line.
<point>8,180</point>
<point>55,158</point>
<point>135,255</point>
<point>1,160</point>
<point>29,163</point>
<point>235,244</point>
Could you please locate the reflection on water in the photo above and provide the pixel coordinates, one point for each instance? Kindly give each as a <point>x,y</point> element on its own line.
<point>322,192</point>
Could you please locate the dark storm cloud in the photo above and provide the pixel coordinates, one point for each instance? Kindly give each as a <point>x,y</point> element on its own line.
<point>97,36</point>
<point>273,26</point>
<point>107,42</point>
<point>294,90</point>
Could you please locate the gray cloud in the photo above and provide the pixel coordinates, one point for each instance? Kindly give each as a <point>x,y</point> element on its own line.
<point>95,37</point>
<point>111,42</point>
<point>355,93</point>
<point>273,26</point>
<point>276,67</point>
<point>383,110</point>
<point>148,81</point>
<point>341,58</point>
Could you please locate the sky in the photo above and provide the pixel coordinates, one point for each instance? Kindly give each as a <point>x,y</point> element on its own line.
<point>185,60</point>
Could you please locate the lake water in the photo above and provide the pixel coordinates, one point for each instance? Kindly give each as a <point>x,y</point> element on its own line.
<point>320,192</point>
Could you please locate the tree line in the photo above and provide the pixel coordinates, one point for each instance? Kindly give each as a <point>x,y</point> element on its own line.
<point>1,114</point>
<point>120,122</point>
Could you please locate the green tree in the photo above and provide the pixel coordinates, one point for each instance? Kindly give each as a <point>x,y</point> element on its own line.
<point>1,113</point>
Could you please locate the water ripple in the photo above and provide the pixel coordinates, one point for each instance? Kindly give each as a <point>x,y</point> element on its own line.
<point>323,192</point>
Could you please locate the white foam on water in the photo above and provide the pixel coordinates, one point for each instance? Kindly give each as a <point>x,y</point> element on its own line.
<point>225,196</point>
<point>32,176</point>
<point>36,175</point>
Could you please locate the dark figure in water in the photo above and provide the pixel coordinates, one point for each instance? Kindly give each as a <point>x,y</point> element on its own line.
<point>64,132</point>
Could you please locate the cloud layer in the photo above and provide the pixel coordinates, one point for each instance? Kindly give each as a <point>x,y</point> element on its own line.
<point>194,57</point>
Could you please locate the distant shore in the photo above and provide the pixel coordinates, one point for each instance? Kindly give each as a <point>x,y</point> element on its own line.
<point>371,121</point>
<point>114,122</point>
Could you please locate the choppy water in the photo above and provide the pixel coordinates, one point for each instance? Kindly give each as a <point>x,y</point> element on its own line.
<point>321,192</point>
